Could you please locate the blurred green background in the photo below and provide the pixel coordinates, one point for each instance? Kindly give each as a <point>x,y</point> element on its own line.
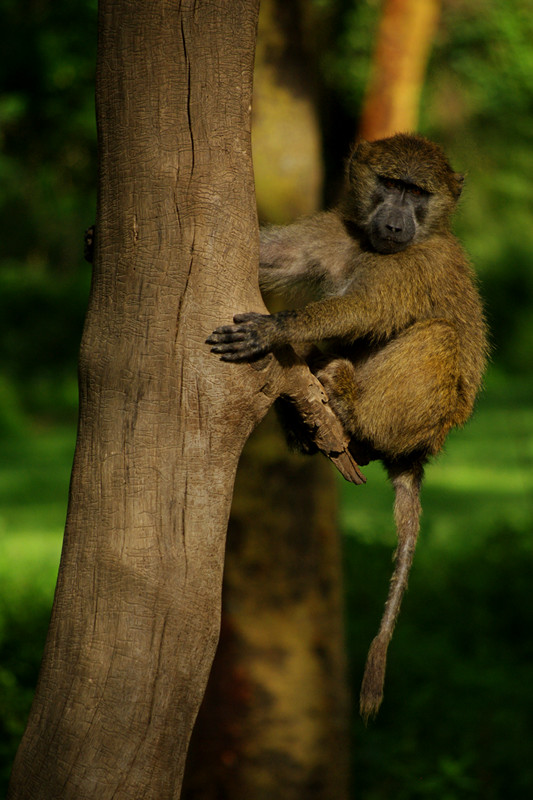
<point>457,721</point>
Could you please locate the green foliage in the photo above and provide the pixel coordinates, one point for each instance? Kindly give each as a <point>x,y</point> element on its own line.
<point>47,198</point>
<point>483,52</point>
<point>47,129</point>
<point>40,332</point>
<point>478,102</point>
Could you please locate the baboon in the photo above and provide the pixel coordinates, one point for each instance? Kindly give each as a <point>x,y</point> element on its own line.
<point>399,321</point>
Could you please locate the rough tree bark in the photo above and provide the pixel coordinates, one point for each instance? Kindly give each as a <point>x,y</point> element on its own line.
<point>162,422</point>
<point>403,41</point>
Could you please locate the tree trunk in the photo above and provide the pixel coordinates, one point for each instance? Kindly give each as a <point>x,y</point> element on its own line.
<point>286,136</point>
<point>404,38</point>
<point>162,421</point>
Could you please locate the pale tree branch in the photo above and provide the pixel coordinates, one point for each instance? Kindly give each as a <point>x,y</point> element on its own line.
<point>310,400</point>
<point>290,377</point>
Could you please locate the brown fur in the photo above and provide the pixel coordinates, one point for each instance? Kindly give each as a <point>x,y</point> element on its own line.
<point>404,330</point>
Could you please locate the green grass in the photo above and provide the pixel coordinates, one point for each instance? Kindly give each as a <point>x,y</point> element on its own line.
<point>34,476</point>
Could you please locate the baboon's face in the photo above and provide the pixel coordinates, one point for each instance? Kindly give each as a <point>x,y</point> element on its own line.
<point>398,211</point>
<point>402,190</point>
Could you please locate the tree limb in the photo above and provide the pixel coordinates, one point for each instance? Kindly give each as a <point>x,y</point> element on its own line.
<point>311,402</point>
<point>294,380</point>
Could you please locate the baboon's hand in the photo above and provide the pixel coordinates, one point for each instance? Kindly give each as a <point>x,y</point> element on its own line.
<point>252,336</point>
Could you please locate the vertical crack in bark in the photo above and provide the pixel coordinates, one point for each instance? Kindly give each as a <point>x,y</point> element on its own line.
<point>183,524</point>
<point>176,203</point>
<point>188,104</point>
<point>191,170</point>
<point>183,295</point>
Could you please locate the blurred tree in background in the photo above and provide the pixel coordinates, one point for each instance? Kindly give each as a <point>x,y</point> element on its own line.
<point>459,704</point>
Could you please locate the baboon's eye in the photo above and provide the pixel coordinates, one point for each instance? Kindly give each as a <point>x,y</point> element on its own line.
<point>390,183</point>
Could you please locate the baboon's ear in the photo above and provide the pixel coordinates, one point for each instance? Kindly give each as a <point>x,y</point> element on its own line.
<point>361,148</point>
<point>359,154</point>
<point>459,180</point>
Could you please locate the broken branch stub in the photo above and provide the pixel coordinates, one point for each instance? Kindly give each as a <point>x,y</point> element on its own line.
<point>310,400</point>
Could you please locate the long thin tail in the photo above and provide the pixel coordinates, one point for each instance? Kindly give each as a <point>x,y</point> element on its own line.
<point>406,482</point>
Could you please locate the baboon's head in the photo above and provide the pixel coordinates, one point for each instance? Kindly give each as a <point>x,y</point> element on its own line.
<point>401,190</point>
